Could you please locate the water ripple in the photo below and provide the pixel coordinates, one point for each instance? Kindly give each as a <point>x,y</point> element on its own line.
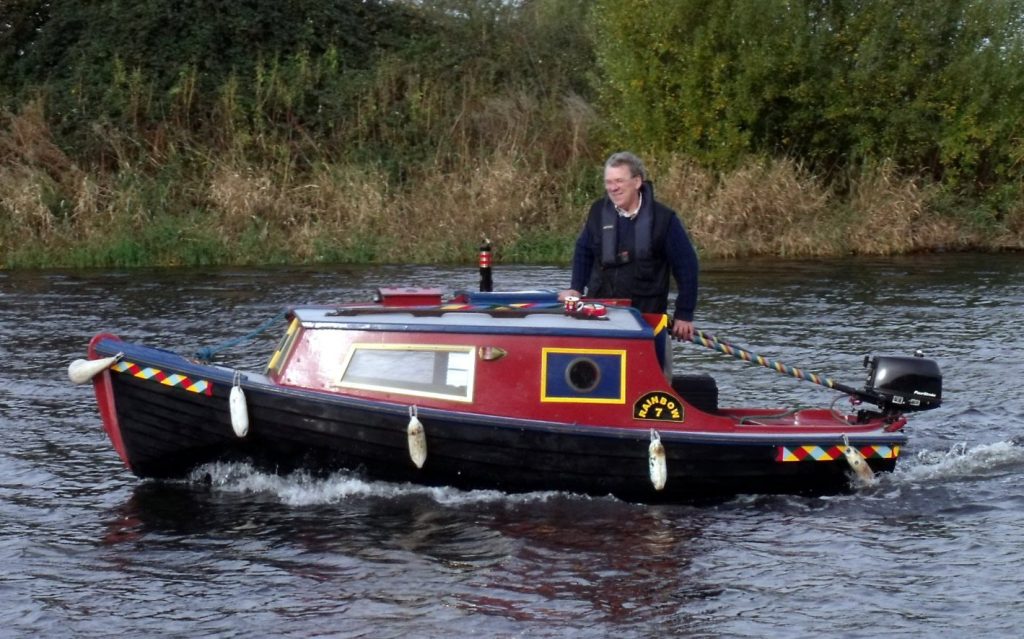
<point>933,549</point>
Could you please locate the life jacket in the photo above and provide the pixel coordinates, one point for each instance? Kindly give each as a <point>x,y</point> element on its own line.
<point>630,264</point>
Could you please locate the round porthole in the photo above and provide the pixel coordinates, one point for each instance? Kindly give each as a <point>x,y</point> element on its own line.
<point>582,375</point>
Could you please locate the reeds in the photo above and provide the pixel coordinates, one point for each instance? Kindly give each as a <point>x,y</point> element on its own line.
<point>762,208</point>
<point>515,169</point>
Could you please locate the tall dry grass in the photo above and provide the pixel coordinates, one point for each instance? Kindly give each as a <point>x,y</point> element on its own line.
<point>762,208</point>
<point>892,214</point>
<point>776,207</point>
<point>167,201</point>
<point>1012,237</point>
<point>34,175</point>
<point>351,213</point>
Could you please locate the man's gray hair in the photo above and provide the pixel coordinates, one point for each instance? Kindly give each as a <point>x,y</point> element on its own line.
<point>625,158</point>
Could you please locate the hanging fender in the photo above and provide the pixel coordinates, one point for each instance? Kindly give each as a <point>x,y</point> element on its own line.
<point>417,439</point>
<point>656,461</point>
<point>239,410</point>
<point>858,464</point>
<point>81,371</point>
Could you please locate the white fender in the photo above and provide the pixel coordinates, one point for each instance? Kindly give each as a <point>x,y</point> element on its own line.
<point>239,411</point>
<point>81,371</point>
<point>417,439</point>
<point>656,458</point>
<point>858,463</point>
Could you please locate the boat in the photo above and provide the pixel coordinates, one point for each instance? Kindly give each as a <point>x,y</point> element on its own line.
<point>513,391</point>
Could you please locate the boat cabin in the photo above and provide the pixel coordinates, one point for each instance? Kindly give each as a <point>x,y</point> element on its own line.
<point>515,354</point>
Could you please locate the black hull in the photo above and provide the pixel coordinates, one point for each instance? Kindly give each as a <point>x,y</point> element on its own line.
<point>168,431</point>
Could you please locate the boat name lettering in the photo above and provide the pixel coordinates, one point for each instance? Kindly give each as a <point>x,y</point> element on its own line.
<point>658,406</point>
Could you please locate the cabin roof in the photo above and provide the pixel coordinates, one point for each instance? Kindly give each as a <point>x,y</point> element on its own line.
<point>473,318</point>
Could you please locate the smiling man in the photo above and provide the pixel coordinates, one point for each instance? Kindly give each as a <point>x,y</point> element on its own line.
<point>629,245</point>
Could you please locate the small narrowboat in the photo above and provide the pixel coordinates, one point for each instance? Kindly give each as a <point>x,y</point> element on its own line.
<point>489,390</point>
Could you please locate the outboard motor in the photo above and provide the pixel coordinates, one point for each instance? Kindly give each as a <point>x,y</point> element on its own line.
<point>903,384</point>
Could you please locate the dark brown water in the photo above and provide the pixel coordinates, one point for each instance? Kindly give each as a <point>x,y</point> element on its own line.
<point>935,549</point>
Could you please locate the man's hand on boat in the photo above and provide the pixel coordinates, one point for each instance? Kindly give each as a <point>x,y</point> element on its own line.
<point>681,329</point>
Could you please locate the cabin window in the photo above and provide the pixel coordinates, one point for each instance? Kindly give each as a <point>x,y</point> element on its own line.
<point>583,375</point>
<point>445,372</point>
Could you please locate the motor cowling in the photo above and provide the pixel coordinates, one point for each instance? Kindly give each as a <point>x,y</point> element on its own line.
<point>904,384</point>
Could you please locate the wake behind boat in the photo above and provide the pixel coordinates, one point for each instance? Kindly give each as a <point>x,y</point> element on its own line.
<point>509,391</point>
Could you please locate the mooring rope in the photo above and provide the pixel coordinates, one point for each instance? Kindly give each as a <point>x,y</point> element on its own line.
<point>710,341</point>
<point>206,353</point>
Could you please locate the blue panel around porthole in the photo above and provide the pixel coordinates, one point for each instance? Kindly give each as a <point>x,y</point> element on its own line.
<point>582,376</point>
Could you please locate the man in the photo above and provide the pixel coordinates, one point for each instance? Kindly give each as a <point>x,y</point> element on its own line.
<point>629,244</point>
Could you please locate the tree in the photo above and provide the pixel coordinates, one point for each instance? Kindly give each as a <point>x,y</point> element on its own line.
<point>933,87</point>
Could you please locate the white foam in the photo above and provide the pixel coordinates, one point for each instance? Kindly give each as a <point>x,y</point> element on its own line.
<point>302,489</point>
<point>962,461</point>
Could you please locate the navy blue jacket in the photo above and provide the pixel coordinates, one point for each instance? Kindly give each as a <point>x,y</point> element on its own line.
<point>642,272</point>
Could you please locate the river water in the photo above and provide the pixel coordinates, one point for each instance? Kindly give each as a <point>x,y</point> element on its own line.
<point>935,549</point>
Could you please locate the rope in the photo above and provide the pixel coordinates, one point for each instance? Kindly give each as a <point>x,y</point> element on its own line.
<point>206,353</point>
<point>710,341</point>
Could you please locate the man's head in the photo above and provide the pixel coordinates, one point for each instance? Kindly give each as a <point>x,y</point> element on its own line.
<point>624,173</point>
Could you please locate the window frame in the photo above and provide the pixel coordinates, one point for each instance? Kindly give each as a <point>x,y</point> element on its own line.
<point>284,348</point>
<point>465,397</point>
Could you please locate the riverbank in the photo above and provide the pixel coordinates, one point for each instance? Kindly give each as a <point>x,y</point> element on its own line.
<point>190,206</point>
<point>374,132</point>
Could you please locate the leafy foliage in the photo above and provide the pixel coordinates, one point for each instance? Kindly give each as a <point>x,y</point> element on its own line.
<point>934,87</point>
<point>139,63</point>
